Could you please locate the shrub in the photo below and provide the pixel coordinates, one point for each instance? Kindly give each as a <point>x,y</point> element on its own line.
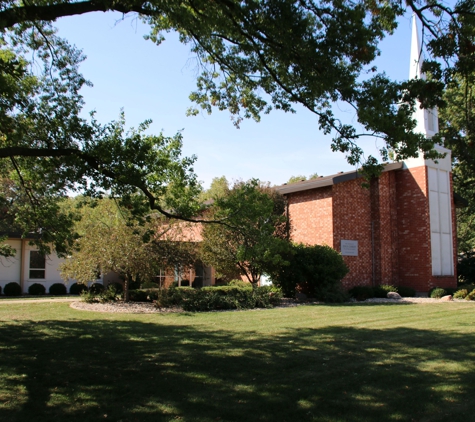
<point>361,293</point>
<point>437,293</point>
<point>148,285</point>
<point>461,294</point>
<point>0,290</point>
<point>406,291</point>
<point>77,288</point>
<point>315,270</point>
<point>382,290</point>
<point>58,289</point>
<point>96,288</point>
<point>36,289</point>
<point>119,288</point>
<point>466,268</point>
<point>12,289</point>
<point>219,298</point>
<point>471,295</point>
<point>239,283</point>
<point>89,297</point>
<point>108,295</point>
<point>139,296</point>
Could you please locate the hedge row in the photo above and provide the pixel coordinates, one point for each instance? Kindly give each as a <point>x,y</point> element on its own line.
<point>56,289</point>
<point>198,300</point>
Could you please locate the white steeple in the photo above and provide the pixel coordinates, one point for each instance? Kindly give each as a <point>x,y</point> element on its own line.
<point>427,120</point>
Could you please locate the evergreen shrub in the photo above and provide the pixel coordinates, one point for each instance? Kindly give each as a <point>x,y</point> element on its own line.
<point>219,298</point>
<point>12,289</point>
<point>314,270</point>
<point>77,288</point>
<point>382,290</point>
<point>36,289</point>
<point>58,289</point>
<point>361,293</point>
<point>437,293</point>
<point>406,291</point>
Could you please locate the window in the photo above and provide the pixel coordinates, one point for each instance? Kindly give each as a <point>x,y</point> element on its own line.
<point>160,278</point>
<point>37,265</point>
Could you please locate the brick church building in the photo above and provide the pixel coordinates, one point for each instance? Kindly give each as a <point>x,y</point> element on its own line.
<point>400,231</point>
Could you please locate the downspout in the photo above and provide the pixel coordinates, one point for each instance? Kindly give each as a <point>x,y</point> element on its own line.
<point>372,254</point>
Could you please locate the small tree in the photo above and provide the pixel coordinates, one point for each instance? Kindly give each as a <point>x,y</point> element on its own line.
<point>253,235</point>
<point>111,241</point>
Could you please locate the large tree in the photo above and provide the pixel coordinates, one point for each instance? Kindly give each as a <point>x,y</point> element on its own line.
<point>255,54</point>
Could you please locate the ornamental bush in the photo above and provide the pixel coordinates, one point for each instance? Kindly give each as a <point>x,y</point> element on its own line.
<point>461,294</point>
<point>406,291</point>
<point>77,288</point>
<point>12,289</point>
<point>471,295</point>
<point>36,289</point>
<point>382,290</point>
<point>314,270</point>
<point>437,293</point>
<point>58,289</point>
<point>361,293</point>
<point>219,298</point>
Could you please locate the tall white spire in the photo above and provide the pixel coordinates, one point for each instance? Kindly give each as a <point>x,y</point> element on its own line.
<point>427,120</point>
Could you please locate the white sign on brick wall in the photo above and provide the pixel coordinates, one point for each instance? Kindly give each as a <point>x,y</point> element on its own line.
<point>349,247</point>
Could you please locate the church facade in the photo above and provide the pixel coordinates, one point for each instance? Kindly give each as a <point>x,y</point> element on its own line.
<point>400,230</point>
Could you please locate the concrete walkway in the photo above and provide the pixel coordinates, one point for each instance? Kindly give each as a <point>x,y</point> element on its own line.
<point>59,299</point>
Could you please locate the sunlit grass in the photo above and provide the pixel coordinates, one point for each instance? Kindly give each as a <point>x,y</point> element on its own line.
<point>322,363</point>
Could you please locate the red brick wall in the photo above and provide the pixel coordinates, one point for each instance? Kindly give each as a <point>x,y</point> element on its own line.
<point>397,205</point>
<point>311,216</point>
<point>387,257</point>
<point>352,221</point>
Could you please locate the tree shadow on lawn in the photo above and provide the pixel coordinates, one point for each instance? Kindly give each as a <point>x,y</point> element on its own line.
<point>134,371</point>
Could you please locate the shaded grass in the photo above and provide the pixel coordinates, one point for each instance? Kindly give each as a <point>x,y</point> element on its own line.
<point>322,363</point>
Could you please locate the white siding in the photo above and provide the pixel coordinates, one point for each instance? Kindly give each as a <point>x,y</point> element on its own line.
<point>440,222</point>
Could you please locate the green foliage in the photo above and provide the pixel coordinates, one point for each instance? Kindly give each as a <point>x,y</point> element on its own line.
<point>361,293</point>
<point>12,289</point>
<point>466,268</point>
<point>382,290</point>
<point>461,294</point>
<point>77,288</point>
<point>315,270</point>
<point>58,289</point>
<point>219,187</point>
<point>437,293</point>
<point>251,237</point>
<point>406,291</point>
<point>36,289</point>
<point>295,179</point>
<point>219,298</point>
<point>471,295</point>
<point>239,283</point>
<point>96,288</point>
<point>148,285</point>
<point>139,295</point>
<point>112,240</point>
<point>118,287</point>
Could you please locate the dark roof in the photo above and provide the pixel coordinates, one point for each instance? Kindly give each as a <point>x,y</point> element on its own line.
<point>334,179</point>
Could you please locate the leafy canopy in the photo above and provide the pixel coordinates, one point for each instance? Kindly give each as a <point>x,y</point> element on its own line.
<point>253,233</point>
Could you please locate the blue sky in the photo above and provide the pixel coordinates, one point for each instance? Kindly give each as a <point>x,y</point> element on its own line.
<point>153,82</point>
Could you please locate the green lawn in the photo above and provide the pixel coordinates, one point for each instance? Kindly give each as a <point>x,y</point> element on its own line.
<point>314,363</point>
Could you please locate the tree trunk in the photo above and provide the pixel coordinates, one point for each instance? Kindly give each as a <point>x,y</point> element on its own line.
<point>126,289</point>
